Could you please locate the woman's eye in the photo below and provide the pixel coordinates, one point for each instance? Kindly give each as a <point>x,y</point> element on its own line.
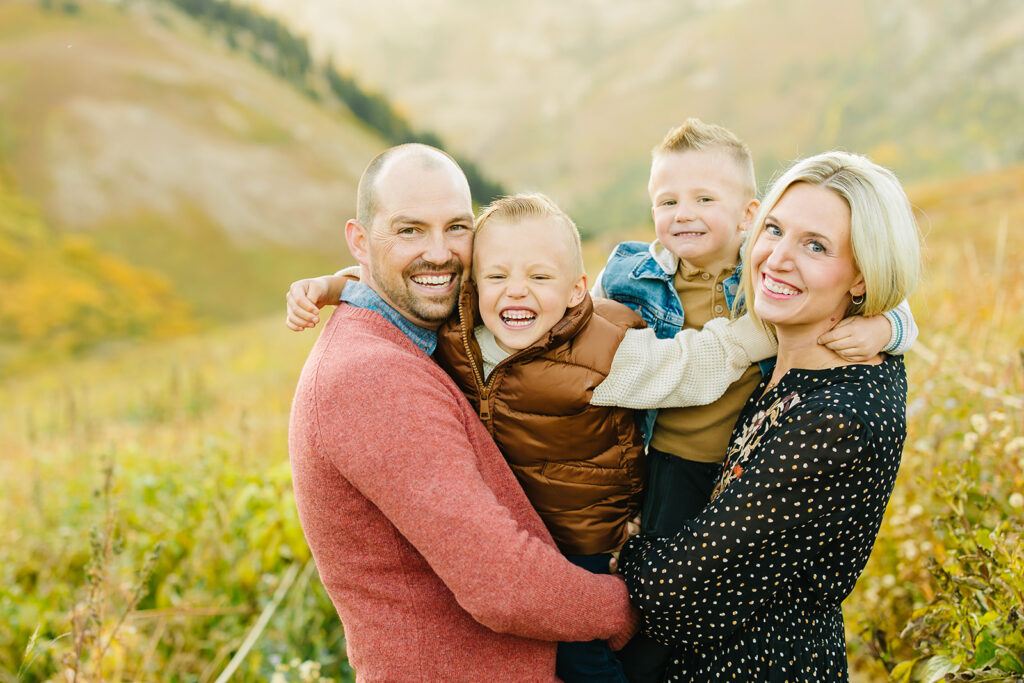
<point>816,247</point>
<point>773,230</point>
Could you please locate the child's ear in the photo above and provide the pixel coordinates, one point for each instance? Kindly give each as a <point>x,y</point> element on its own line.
<point>749,213</point>
<point>579,291</point>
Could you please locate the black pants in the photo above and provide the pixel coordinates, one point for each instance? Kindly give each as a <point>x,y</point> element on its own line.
<point>677,490</point>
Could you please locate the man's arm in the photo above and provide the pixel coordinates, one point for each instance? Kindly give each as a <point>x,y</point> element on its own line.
<point>414,460</point>
<point>693,368</point>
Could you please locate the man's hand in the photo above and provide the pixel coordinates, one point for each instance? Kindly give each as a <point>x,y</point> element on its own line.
<point>304,300</point>
<point>858,339</point>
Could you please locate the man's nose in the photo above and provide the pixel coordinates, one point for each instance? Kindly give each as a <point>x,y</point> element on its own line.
<point>438,249</point>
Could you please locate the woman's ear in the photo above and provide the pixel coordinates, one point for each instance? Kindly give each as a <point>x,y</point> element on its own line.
<point>859,287</point>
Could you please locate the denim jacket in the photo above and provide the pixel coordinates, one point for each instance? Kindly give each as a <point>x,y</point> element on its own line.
<point>642,276</point>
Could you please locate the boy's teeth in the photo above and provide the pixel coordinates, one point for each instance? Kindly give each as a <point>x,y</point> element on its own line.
<point>432,280</point>
<point>779,288</point>
<point>518,318</point>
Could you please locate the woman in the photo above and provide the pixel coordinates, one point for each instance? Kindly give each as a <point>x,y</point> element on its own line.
<point>751,589</point>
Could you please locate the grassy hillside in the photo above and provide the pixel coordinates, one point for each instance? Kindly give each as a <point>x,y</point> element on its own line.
<point>129,124</point>
<point>569,97</point>
<point>197,513</point>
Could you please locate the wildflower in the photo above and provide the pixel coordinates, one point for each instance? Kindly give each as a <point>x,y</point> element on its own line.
<point>1016,500</point>
<point>979,424</point>
<point>908,549</point>
<point>915,511</point>
<point>996,416</point>
<point>970,441</point>
<point>1015,446</point>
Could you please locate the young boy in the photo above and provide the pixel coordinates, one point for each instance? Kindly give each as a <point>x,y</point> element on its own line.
<point>702,194</point>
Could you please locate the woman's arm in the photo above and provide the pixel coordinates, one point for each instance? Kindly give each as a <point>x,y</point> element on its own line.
<point>806,489</point>
<point>693,368</point>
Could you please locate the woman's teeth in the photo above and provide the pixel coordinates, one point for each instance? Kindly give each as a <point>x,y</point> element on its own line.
<point>779,288</point>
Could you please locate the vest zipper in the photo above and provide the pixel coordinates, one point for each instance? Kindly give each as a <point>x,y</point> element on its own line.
<point>483,389</point>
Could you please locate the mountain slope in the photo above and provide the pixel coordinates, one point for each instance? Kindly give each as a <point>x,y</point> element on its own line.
<point>134,126</point>
<point>569,97</point>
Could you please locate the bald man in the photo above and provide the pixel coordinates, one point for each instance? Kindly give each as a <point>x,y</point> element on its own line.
<point>437,564</point>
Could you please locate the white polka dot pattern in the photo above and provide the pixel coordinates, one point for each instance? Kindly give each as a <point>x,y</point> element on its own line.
<point>750,590</point>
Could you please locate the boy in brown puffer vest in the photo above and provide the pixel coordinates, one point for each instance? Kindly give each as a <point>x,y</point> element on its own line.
<point>528,348</point>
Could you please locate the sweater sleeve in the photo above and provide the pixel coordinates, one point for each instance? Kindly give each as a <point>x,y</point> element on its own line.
<point>904,329</point>
<point>751,541</point>
<point>418,463</point>
<point>693,368</point>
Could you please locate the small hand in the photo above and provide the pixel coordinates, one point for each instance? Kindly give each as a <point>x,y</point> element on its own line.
<point>303,303</point>
<point>858,339</point>
<point>632,528</point>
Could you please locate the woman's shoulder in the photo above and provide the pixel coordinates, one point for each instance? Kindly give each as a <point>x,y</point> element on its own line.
<point>873,396</point>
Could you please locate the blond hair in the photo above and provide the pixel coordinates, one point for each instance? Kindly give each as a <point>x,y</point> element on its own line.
<point>695,135</point>
<point>528,206</point>
<point>883,232</point>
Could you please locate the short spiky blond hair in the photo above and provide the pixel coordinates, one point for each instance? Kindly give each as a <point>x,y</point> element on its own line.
<point>695,135</point>
<point>528,206</point>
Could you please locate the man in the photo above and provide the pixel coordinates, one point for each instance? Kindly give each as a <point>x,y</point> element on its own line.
<point>436,562</point>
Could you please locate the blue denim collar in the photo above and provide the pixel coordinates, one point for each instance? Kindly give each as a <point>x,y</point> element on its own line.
<point>361,295</point>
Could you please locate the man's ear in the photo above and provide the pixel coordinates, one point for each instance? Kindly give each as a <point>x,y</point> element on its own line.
<point>579,291</point>
<point>357,237</point>
<point>749,213</point>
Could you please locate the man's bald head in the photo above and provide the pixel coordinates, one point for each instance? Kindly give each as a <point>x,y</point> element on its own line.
<point>421,156</point>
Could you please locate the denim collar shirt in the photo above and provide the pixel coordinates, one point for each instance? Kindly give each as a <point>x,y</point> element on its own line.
<point>362,295</point>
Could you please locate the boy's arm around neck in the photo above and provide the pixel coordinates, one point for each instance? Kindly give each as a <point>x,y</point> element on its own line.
<point>693,368</point>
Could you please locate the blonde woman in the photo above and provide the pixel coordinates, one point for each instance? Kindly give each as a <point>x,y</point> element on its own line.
<point>751,588</point>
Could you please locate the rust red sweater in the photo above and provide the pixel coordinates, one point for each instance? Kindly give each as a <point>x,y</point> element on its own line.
<point>437,564</point>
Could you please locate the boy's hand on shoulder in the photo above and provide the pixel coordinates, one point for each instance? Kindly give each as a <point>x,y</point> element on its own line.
<point>306,297</point>
<point>858,339</point>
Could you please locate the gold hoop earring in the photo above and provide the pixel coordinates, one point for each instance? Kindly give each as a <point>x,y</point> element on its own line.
<point>858,300</point>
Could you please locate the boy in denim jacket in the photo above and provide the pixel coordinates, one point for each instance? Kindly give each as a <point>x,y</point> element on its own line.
<point>702,193</point>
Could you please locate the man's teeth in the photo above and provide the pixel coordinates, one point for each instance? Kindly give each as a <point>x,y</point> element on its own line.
<point>779,288</point>
<point>518,318</point>
<point>432,280</point>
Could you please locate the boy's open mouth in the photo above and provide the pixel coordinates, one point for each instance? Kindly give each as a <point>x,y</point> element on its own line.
<point>517,318</point>
<point>777,288</point>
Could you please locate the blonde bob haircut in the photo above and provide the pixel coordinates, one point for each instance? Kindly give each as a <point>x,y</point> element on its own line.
<point>519,208</point>
<point>883,233</point>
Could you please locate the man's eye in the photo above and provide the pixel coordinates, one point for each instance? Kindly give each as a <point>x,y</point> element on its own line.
<point>407,231</point>
<point>459,226</point>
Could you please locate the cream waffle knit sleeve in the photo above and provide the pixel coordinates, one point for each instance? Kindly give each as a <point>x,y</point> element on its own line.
<point>693,368</point>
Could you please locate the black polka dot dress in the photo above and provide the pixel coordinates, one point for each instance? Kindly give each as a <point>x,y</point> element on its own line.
<point>750,590</point>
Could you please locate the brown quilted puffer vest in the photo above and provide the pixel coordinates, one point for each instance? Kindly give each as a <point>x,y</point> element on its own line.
<point>581,466</point>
